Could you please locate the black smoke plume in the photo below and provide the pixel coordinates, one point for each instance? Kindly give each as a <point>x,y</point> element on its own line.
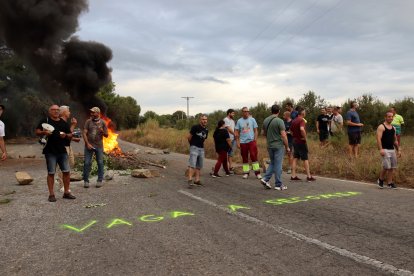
<point>40,31</point>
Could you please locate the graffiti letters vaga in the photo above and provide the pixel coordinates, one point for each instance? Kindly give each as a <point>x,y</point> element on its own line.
<point>120,222</point>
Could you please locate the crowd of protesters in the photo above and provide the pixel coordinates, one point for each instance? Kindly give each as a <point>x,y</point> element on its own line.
<point>288,136</point>
<point>284,136</point>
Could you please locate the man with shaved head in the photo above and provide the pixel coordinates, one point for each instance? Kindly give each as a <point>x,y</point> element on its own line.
<point>389,149</point>
<point>55,151</point>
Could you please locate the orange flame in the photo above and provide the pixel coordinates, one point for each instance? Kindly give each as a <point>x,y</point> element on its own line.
<point>110,142</point>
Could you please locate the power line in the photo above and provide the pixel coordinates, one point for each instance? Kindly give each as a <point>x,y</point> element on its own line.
<point>274,20</point>
<point>309,24</point>
<point>287,25</point>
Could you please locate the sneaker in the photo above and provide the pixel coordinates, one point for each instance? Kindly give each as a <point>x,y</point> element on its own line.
<point>99,184</point>
<point>214,175</point>
<point>190,184</point>
<point>289,171</point>
<point>245,176</point>
<point>229,173</point>
<point>310,179</point>
<point>392,186</point>
<point>295,178</point>
<point>52,198</point>
<point>86,184</point>
<point>69,196</point>
<point>259,176</point>
<point>281,187</point>
<point>380,183</point>
<point>265,184</point>
<point>199,182</point>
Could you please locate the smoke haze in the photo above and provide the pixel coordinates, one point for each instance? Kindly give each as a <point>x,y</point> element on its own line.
<point>40,31</point>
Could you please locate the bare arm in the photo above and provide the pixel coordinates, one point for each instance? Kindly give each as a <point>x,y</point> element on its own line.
<point>303,132</point>
<point>317,126</point>
<point>285,140</point>
<point>228,140</point>
<point>230,130</point>
<point>189,136</point>
<point>85,139</point>
<point>3,149</point>
<point>350,123</point>
<point>73,123</point>
<point>40,132</point>
<point>237,137</point>
<point>380,131</point>
<point>256,134</point>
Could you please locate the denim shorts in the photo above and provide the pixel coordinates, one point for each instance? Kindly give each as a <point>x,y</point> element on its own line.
<point>233,148</point>
<point>196,157</point>
<point>61,159</point>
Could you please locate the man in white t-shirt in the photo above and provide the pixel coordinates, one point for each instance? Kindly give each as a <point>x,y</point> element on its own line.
<point>337,122</point>
<point>229,124</point>
<point>2,134</point>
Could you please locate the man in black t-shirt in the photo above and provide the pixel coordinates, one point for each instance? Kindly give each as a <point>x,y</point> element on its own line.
<point>198,134</point>
<point>55,151</point>
<point>322,126</point>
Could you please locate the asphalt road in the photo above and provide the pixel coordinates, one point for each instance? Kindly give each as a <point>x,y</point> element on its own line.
<point>230,226</point>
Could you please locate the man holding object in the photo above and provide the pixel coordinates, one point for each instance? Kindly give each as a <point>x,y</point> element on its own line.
<point>93,132</point>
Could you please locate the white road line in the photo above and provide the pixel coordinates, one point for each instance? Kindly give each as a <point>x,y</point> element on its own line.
<point>358,182</point>
<point>343,252</point>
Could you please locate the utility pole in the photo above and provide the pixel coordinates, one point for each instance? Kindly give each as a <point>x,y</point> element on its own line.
<point>188,106</point>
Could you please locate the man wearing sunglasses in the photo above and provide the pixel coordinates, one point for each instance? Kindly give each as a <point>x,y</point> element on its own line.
<point>246,135</point>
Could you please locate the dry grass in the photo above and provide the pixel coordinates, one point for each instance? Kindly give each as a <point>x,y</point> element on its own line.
<point>332,161</point>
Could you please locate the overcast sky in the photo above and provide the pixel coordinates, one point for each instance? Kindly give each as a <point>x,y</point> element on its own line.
<point>234,53</point>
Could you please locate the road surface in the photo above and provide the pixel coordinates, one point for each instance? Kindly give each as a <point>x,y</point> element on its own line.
<point>230,226</point>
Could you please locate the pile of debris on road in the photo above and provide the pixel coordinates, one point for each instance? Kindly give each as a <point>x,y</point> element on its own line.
<point>136,164</point>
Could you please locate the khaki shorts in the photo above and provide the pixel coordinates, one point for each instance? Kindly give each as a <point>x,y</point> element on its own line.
<point>389,160</point>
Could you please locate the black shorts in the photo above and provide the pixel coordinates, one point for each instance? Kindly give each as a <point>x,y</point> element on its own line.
<point>290,145</point>
<point>300,151</point>
<point>323,135</point>
<point>354,138</point>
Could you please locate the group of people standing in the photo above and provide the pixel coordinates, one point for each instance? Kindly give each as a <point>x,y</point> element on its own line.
<point>282,137</point>
<point>58,151</point>
<point>288,137</point>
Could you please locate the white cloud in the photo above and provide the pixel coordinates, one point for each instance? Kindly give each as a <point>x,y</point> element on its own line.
<point>235,53</point>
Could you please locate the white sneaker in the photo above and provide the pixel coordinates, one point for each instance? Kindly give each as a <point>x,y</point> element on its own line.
<point>245,176</point>
<point>265,184</point>
<point>281,188</point>
<point>289,171</point>
<point>259,176</point>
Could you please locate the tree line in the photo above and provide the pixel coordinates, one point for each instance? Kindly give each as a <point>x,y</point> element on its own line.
<point>371,111</point>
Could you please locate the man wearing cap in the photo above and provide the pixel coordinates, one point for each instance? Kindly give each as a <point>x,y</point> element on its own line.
<point>57,131</point>
<point>93,132</point>
<point>2,134</point>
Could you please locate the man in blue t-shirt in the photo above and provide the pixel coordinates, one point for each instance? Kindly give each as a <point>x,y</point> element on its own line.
<point>198,134</point>
<point>354,130</point>
<point>246,135</point>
